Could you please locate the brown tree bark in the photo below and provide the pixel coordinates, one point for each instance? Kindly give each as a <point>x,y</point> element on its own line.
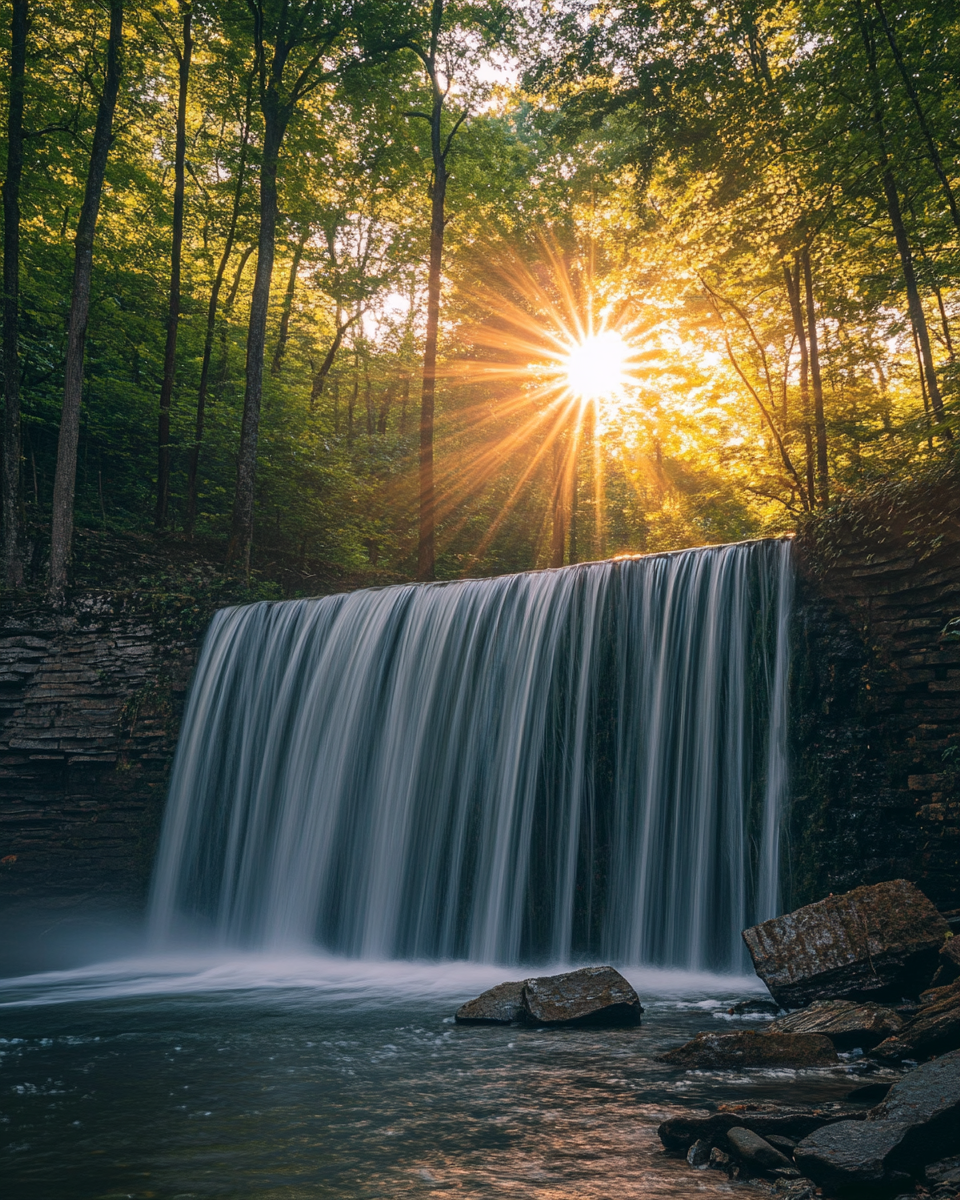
<point>819,423</point>
<point>287,308</point>
<point>10,482</point>
<point>894,211</point>
<point>910,88</point>
<point>184,56</point>
<point>320,379</point>
<point>64,484</point>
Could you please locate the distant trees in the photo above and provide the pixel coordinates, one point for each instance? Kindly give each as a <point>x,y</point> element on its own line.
<point>237,234</point>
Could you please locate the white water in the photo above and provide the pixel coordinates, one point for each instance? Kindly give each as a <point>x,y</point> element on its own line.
<point>589,762</point>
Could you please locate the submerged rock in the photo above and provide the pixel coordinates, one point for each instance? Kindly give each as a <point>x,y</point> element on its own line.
<point>590,996</point>
<point>875,942</point>
<point>933,1029</point>
<point>756,1151</point>
<point>844,1022</point>
<point>501,1005</point>
<point>749,1048</point>
<point>791,1121</point>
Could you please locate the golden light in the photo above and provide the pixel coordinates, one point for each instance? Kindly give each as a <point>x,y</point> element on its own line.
<point>595,368</point>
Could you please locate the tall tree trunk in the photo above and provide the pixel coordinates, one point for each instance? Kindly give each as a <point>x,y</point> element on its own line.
<point>799,329</point>
<point>892,194</point>
<point>426,548</point>
<point>193,465</point>
<point>176,254</point>
<point>287,308</point>
<point>910,88</point>
<point>64,483</point>
<point>819,423</point>
<point>241,536</point>
<point>10,483</point>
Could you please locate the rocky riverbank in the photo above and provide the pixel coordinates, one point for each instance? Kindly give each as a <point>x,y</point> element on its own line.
<point>871,977</point>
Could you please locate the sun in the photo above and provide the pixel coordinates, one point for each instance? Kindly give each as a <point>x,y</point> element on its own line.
<point>595,368</point>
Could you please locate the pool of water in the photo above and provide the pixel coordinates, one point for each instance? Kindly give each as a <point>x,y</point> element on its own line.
<point>312,1077</point>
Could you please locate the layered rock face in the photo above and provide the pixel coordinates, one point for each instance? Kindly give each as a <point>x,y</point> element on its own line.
<point>90,700</point>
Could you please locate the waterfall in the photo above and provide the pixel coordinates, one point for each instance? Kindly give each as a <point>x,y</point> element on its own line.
<point>587,762</point>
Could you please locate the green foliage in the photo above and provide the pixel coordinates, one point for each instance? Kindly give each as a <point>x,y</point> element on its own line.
<point>678,156</point>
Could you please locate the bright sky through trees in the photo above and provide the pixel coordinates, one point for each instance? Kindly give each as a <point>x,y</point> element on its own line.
<point>700,273</point>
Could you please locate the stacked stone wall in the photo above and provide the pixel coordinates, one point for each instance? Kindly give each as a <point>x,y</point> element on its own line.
<point>877,699</point>
<point>90,702</point>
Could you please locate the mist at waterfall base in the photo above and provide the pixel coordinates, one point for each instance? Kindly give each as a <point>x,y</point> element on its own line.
<point>384,803</point>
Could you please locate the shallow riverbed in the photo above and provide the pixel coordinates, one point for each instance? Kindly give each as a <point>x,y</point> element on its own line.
<point>316,1078</point>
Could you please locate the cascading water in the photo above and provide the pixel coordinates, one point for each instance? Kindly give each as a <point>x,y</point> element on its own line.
<point>585,762</point>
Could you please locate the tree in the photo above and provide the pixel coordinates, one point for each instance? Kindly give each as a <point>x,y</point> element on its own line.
<point>183,51</point>
<point>291,43</point>
<point>10,482</point>
<point>66,473</point>
<point>445,45</point>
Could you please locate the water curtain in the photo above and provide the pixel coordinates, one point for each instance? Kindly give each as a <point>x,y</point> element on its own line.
<point>580,763</point>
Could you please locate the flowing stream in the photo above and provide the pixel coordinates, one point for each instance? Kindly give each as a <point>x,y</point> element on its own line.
<point>563,765</point>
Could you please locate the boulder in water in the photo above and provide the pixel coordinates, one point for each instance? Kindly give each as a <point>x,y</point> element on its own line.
<point>590,996</point>
<point>846,1023</point>
<point>500,1005</point>
<point>752,1049</point>
<point>598,996</point>
<point>933,1029</point>
<point>873,943</point>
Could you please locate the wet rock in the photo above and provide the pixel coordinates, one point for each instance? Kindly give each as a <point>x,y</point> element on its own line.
<point>785,1145</point>
<point>844,1022</point>
<point>793,1121</point>
<point>752,1049</point>
<point>949,969</point>
<point>874,943</point>
<point>718,1159</point>
<point>699,1153</point>
<point>934,1028</point>
<point>590,996</point>
<point>501,1005</point>
<point>754,1008</point>
<point>853,1153</point>
<point>917,1123</point>
<point>755,1151</point>
<point>928,1100</point>
<point>947,1170</point>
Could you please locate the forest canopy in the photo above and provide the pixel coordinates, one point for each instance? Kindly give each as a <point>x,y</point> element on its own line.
<point>448,288</point>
